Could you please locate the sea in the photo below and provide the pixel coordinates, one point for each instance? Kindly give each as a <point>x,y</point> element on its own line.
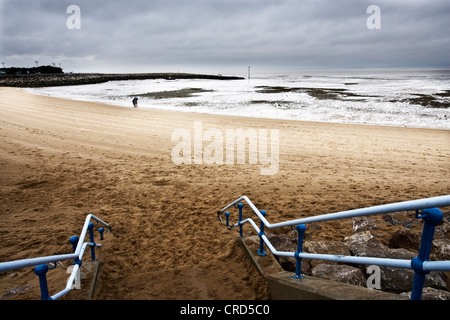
<point>405,98</point>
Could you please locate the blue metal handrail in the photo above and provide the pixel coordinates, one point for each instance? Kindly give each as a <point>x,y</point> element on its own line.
<point>430,214</point>
<point>79,248</point>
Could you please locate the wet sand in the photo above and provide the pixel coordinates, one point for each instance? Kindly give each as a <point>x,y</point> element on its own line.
<point>62,159</point>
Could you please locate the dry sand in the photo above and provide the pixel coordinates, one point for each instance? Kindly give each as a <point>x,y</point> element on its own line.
<point>61,159</point>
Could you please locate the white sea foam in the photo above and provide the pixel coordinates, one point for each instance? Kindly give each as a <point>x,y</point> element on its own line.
<point>370,97</point>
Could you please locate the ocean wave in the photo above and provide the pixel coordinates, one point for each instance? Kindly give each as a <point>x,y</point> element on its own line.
<point>410,99</point>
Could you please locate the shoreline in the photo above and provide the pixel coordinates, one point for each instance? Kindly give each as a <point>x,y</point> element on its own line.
<point>335,110</point>
<point>66,79</point>
<point>61,159</point>
<point>238,116</point>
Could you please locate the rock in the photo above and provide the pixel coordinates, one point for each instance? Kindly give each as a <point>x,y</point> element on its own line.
<point>16,291</point>
<point>405,219</point>
<point>325,247</point>
<point>287,243</point>
<point>64,79</point>
<point>359,237</point>
<point>363,243</point>
<point>440,250</point>
<point>396,280</point>
<point>283,242</point>
<point>406,239</point>
<point>430,294</point>
<point>364,224</point>
<point>388,218</point>
<point>341,273</point>
<point>392,279</point>
<point>444,230</point>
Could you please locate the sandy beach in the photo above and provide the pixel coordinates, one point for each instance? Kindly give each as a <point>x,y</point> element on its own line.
<point>62,159</point>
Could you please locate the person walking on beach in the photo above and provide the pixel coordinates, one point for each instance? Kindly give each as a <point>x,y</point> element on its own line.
<point>135,100</point>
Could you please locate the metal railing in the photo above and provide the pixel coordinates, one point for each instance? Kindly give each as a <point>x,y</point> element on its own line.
<point>421,265</point>
<point>79,248</point>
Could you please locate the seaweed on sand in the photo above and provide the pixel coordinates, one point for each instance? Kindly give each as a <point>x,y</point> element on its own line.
<point>431,101</point>
<point>318,93</point>
<point>181,93</point>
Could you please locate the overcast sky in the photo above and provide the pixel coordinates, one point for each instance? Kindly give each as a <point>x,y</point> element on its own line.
<point>224,36</point>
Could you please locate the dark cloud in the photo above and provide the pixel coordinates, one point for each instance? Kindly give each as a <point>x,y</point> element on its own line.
<point>143,35</point>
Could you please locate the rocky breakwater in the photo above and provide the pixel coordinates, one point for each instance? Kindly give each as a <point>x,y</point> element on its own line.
<point>69,79</point>
<point>373,238</point>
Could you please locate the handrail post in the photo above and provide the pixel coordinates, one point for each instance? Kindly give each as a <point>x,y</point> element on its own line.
<point>227,216</point>
<point>101,230</point>
<point>261,251</point>
<point>298,268</point>
<point>41,271</point>
<point>91,239</point>
<point>240,206</point>
<point>431,217</point>
<point>74,241</point>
